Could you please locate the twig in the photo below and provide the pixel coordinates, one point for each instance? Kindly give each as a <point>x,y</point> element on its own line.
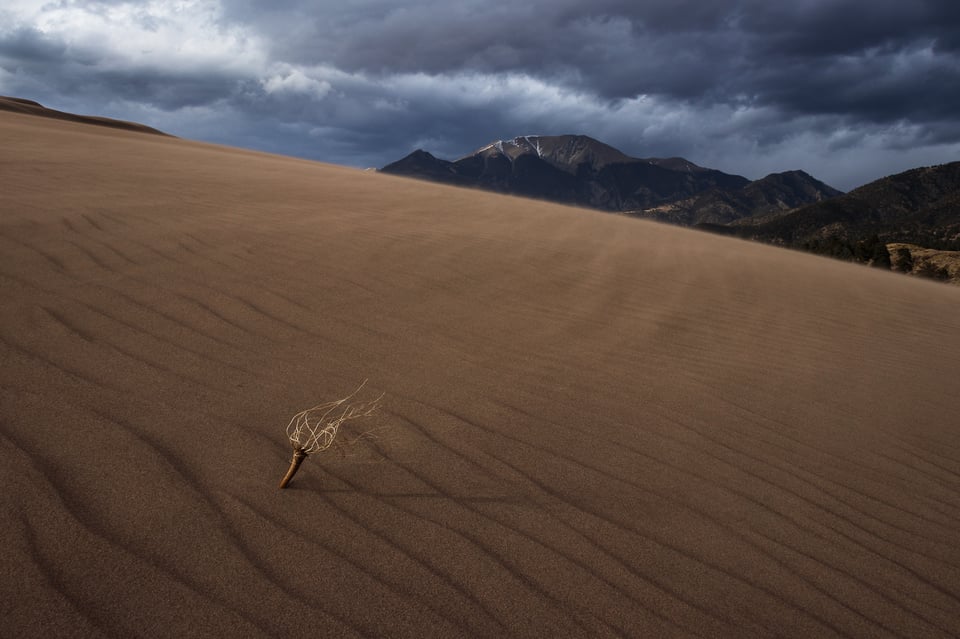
<point>315,429</point>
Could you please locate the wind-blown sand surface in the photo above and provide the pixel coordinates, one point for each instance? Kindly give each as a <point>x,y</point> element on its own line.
<point>593,426</point>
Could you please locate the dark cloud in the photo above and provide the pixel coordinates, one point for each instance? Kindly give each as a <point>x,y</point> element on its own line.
<point>28,45</point>
<point>749,85</point>
<point>681,48</point>
<point>913,84</point>
<point>848,27</point>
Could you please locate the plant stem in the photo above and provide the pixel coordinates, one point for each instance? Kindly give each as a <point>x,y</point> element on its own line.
<point>298,457</point>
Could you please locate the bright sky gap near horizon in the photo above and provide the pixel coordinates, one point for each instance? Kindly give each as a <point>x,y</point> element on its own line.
<point>847,90</point>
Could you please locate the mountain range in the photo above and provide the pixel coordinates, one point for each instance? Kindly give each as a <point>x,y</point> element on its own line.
<point>576,169</point>
<point>921,205</point>
<point>910,221</point>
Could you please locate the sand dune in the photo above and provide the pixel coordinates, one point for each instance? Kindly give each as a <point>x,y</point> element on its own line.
<point>593,426</point>
<point>31,107</point>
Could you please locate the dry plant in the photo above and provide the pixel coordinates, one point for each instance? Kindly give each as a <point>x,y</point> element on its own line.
<point>316,429</point>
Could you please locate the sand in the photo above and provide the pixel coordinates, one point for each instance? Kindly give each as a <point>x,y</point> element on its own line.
<point>592,425</point>
<point>31,107</point>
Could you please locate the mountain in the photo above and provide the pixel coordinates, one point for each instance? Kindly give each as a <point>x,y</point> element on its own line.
<point>576,169</point>
<point>29,107</point>
<point>573,169</point>
<point>765,198</point>
<point>423,165</point>
<point>920,206</point>
<point>909,222</point>
<point>565,152</point>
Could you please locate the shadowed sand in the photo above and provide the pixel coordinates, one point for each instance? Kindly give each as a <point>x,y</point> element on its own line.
<point>593,426</point>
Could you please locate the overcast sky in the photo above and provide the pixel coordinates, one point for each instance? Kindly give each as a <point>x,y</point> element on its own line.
<point>848,90</point>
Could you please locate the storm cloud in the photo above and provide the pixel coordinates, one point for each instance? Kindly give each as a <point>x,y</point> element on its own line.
<point>848,90</point>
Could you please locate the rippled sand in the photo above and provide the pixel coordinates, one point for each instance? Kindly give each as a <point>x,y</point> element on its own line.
<point>593,426</point>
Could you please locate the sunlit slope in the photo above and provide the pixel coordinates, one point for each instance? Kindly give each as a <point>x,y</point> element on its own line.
<point>593,426</point>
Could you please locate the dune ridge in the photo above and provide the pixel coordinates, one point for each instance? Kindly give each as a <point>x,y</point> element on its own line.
<point>32,107</point>
<point>593,426</point>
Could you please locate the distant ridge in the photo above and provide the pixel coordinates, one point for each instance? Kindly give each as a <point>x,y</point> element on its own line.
<point>29,107</point>
<point>766,198</point>
<point>909,221</point>
<point>921,205</point>
<point>577,169</point>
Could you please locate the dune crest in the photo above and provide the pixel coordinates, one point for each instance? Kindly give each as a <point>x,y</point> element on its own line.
<point>31,107</point>
<point>593,426</point>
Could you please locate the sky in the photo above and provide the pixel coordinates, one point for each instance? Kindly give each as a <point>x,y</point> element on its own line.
<point>847,90</point>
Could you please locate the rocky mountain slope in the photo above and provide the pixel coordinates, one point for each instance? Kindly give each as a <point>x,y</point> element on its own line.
<point>765,198</point>
<point>920,206</point>
<point>577,169</point>
<point>909,222</point>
